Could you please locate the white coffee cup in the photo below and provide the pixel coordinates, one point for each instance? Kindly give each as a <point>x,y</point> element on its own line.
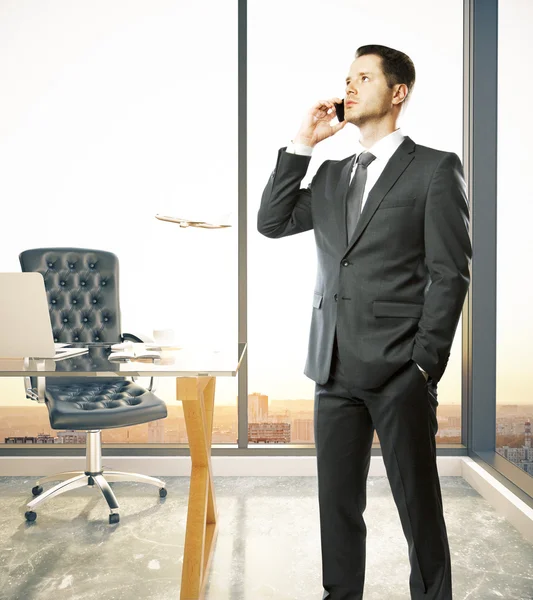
<point>163,337</point>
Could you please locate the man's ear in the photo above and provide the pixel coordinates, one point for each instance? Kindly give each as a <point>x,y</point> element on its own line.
<point>401,93</point>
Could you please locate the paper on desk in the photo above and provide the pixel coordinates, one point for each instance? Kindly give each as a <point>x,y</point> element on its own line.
<point>62,353</point>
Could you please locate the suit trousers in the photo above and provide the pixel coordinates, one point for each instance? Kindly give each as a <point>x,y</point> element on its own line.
<point>403,412</point>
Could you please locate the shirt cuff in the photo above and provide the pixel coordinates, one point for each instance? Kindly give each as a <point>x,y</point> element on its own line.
<point>426,375</point>
<point>299,149</point>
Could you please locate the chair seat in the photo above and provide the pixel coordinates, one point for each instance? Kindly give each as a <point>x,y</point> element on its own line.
<point>100,404</point>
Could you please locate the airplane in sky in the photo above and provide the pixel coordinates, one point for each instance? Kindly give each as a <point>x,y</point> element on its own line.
<point>188,223</point>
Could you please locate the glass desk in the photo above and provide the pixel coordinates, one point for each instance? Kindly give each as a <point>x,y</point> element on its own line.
<point>190,361</point>
<point>195,369</point>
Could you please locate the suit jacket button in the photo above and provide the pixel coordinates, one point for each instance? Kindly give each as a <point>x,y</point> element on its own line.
<point>345,263</point>
<point>335,297</point>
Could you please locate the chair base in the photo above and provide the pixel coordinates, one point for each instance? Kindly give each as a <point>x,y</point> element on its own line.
<point>76,479</point>
<point>94,474</point>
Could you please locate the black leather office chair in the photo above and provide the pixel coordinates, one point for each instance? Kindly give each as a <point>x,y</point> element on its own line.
<point>82,286</point>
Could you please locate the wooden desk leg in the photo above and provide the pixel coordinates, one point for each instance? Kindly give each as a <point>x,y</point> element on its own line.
<point>198,397</point>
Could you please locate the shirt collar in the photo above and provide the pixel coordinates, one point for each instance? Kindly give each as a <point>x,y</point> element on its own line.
<point>384,148</point>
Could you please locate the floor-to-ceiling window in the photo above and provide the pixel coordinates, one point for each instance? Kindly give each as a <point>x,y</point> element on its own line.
<point>514,376</point>
<point>110,113</point>
<point>300,52</point>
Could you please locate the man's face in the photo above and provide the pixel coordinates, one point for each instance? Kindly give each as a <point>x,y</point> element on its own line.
<point>367,88</point>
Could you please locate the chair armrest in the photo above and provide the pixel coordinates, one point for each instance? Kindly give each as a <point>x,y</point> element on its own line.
<point>137,337</point>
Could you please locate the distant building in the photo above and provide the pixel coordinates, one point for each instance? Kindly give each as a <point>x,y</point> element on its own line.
<point>70,436</point>
<point>521,457</point>
<point>280,417</point>
<point>20,440</point>
<point>269,433</point>
<point>514,454</point>
<point>504,428</point>
<point>44,438</point>
<point>156,432</point>
<point>450,432</point>
<point>257,408</point>
<point>454,422</point>
<point>303,431</point>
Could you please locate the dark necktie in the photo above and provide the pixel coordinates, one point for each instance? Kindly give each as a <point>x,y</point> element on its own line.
<point>356,190</point>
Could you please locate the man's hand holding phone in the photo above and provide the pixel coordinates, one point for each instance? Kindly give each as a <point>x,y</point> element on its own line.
<point>316,124</point>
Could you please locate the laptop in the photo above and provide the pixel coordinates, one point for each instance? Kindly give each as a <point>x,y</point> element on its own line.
<point>25,328</point>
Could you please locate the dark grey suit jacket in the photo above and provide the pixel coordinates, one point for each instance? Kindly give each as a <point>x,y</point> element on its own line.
<point>395,291</point>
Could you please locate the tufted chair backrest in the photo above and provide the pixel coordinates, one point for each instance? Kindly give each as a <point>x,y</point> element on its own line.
<point>82,289</point>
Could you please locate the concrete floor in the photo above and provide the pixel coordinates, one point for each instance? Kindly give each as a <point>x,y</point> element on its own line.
<point>267,547</point>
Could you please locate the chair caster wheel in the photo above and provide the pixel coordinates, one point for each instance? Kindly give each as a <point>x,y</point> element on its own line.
<point>30,515</point>
<point>37,490</point>
<point>90,481</point>
<point>162,492</point>
<point>114,518</point>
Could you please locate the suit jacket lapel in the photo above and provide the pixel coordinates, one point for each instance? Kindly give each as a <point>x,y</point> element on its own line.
<point>397,164</point>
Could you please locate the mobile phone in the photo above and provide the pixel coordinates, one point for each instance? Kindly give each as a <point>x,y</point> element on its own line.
<point>339,107</point>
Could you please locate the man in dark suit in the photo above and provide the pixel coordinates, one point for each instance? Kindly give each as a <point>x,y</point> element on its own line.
<point>391,225</point>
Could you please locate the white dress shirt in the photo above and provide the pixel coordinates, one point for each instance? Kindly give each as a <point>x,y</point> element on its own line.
<point>383,149</point>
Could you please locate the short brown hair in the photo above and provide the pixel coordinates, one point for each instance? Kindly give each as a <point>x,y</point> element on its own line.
<point>396,66</point>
